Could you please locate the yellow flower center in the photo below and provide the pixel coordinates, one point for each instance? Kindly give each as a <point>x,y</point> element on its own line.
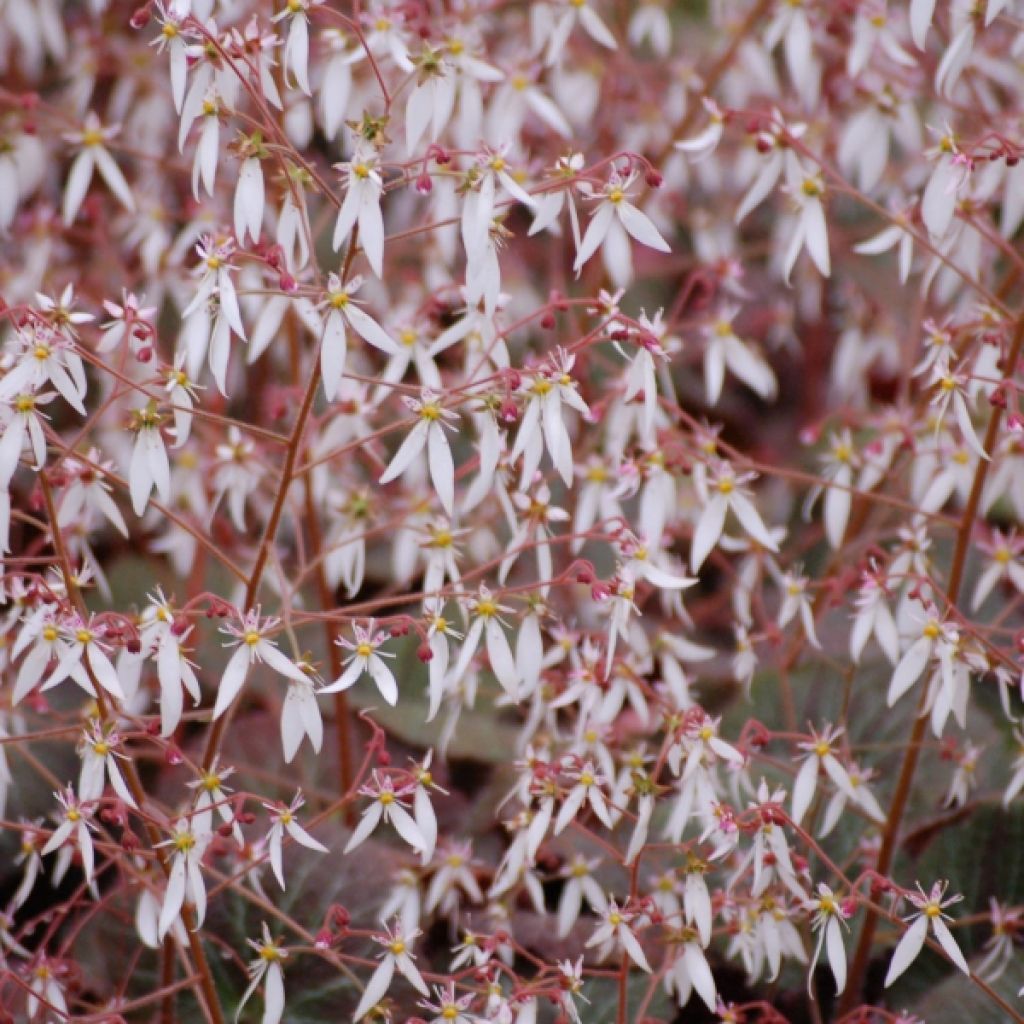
<point>184,841</point>
<point>486,609</point>
<point>431,412</point>
<point>251,637</point>
<point>726,485</point>
<point>92,137</point>
<point>387,798</point>
<point>364,650</point>
<point>397,947</point>
<point>101,749</point>
<point>83,636</point>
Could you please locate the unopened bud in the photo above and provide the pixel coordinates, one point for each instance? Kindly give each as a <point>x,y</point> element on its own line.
<point>145,354</point>
<point>424,653</point>
<point>172,755</point>
<point>547,321</point>
<point>654,178</point>
<point>424,184</point>
<point>140,18</point>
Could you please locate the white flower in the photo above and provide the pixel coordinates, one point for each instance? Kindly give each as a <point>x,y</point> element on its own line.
<point>93,156</point>
<point>431,98</point>
<point>46,355</point>
<point>83,659</point>
<point>253,647</point>
<point>300,717</point>
<point>250,197</point>
<point>819,756</point>
<point>449,1007</point>
<point>723,494</point>
<point>23,424</point>
<point>362,206</point>
<point>76,824</point>
<point>366,657</point>
<point>149,465</point>
<point>724,350</point>
<point>387,806</point>
<point>542,424</point>
<point>929,909</point>
<point>615,929</point>
<point>429,433</point>
<point>296,47</point>
<point>614,219</point>
<point>874,617</point>
<point>396,957</point>
<point>937,639</point>
<point>266,969</point>
<point>284,823</point>
<point>577,11</point>
<point>829,919</point>
<point>487,625</point>
<point>99,762</point>
<point>185,881</point>
<point>1004,552</point>
<point>806,191</point>
<point>587,790</point>
<point>706,142</point>
<point>690,972</point>
<point>342,312</point>
<point>897,234</point>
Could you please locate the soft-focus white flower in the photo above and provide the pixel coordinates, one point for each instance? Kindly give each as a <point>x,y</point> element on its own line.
<point>929,908</point>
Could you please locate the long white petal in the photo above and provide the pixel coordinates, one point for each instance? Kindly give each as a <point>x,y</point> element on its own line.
<point>442,467</point>
<point>232,680</point>
<point>948,943</point>
<point>369,330</point>
<point>78,184</point>
<point>641,227</point>
<point>708,531</point>
<point>368,822</point>
<point>377,987</point>
<point>907,949</point>
<point>407,451</point>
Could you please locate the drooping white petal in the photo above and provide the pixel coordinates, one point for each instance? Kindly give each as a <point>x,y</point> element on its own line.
<point>641,228</point>
<point>376,988</point>
<point>907,949</point>
<point>232,680</point>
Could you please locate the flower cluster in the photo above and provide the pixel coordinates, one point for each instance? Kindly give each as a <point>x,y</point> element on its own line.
<point>510,512</point>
